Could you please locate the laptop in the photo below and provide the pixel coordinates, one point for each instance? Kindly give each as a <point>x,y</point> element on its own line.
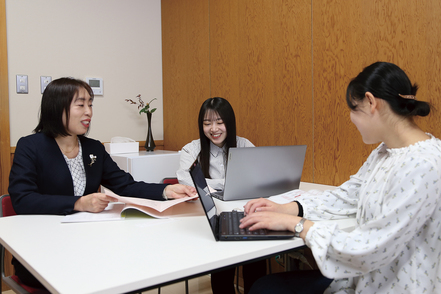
<point>254,172</point>
<point>225,227</point>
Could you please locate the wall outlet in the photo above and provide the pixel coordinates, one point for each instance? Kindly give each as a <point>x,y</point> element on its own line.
<point>44,81</point>
<point>22,84</point>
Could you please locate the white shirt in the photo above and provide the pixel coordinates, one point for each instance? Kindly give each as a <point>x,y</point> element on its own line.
<point>190,153</point>
<point>396,245</point>
<point>76,168</point>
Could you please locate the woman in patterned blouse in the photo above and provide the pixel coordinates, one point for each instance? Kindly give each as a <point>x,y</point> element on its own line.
<point>394,197</point>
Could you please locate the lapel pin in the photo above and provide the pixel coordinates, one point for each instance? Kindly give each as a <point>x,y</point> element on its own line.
<point>92,159</point>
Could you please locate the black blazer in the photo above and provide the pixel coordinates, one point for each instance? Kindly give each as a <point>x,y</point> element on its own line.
<point>40,181</point>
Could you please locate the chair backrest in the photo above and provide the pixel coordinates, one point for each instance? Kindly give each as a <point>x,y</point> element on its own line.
<point>170,181</point>
<point>6,206</point>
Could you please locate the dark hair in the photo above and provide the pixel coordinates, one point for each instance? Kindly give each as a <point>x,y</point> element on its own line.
<point>223,108</point>
<point>56,100</point>
<point>386,81</point>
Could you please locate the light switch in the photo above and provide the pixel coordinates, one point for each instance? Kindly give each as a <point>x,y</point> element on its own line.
<point>44,81</point>
<point>22,84</point>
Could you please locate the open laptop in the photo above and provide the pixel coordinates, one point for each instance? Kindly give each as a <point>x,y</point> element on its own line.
<point>225,227</point>
<point>254,172</point>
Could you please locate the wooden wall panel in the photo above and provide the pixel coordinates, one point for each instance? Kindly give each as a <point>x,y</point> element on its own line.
<point>426,71</point>
<point>260,60</point>
<point>350,37</point>
<point>336,140</point>
<point>266,56</point>
<point>185,41</point>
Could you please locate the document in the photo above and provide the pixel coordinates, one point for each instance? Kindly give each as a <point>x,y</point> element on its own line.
<point>115,210</point>
<point>290,196</point>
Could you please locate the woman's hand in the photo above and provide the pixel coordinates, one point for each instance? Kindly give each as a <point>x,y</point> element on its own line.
<point>274,221</point>
<point>179,191</point>
<point>269,220</point>
<point>95,202</point>
<point>262,204</point>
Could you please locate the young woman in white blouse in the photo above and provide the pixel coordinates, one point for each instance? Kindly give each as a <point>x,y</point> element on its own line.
<point>217,131</point>
<point>395,198</point>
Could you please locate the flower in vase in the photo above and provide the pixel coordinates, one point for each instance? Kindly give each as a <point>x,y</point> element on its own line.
<point>143,107</point>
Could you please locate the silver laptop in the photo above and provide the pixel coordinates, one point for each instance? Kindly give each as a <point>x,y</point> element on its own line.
<point>225,226</point>
<point>254,172</point>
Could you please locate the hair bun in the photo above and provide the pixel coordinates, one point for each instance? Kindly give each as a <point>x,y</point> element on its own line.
<point>422,108</point>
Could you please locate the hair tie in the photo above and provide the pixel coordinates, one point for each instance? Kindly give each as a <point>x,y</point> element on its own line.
<point>407,96</point>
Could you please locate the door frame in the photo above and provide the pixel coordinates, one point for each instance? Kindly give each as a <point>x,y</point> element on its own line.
<point>5,144</point>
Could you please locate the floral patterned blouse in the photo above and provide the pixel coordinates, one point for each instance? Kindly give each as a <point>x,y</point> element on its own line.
<point>396,244</point>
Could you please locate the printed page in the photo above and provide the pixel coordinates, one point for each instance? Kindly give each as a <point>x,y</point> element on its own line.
<point>144,209</point>
<point>112,212</point>
<point>290,196</point>
<point>159,206</point>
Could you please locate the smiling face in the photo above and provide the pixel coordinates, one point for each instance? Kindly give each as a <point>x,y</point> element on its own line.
<point>80,113</point>
<point>214,128</point>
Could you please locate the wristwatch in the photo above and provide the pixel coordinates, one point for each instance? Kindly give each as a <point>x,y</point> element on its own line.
<point>299,228</point>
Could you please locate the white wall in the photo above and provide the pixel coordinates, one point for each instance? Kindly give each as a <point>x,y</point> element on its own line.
<point>117,40</point>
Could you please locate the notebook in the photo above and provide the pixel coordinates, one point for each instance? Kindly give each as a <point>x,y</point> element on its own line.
<point>223,226</point>
<point>254,172</point>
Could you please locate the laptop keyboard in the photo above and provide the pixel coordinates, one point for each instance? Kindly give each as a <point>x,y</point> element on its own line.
<point>230,225</point>
<point>219,195</point>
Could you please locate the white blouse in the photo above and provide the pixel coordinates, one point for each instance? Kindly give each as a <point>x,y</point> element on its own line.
<point>396,245</point>
<point>76,168</point>
<point>191,151</point>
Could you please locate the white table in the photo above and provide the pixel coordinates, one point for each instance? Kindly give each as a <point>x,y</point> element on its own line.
<point>150,167</point>
<point>131,254</point>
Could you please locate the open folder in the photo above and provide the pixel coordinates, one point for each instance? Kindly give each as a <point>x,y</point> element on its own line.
<point>115,210</point>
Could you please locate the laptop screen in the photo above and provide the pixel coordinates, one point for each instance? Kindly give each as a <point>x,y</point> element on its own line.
<point>264,171</point>
<point>204,195</point>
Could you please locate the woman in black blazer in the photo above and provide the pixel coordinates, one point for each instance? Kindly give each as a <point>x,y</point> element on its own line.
<point>59,171</point>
